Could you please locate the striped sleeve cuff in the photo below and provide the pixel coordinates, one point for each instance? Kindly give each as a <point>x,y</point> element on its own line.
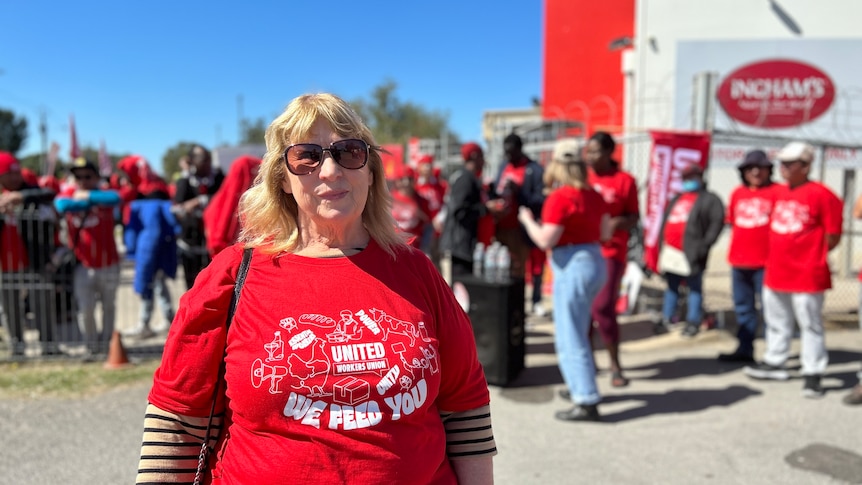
<point>171,446</point>
<point>469,433</point>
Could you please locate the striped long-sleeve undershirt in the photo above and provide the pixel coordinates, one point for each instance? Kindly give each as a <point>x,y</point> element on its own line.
<point>172,442</point>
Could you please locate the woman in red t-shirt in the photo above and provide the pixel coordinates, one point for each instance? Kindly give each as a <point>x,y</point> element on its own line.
<point>574,221</point>
<point>748,215</point>
<point>348,358</point>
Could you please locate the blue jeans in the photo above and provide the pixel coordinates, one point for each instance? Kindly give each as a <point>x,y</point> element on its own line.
<point>747,288</point>
<point>694,315</point>
<point>162,293</point>
<point>579,273</point>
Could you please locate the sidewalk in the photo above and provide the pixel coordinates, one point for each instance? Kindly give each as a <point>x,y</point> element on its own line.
<point>684,419</point>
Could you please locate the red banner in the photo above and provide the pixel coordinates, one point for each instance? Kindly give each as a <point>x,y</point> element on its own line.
<point>671,152</point>
<point>413,153</point>
<point>393,158</point>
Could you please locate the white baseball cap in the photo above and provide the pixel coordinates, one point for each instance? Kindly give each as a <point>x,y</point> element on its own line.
<point>796,150</point>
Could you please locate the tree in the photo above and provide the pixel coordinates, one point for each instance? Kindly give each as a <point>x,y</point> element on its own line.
<point>393,121</point>
<point>253,132</point>
<point>13,131</point>
<point>171,159</point>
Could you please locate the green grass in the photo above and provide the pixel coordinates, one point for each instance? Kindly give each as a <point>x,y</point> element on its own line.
<point>68,379</point>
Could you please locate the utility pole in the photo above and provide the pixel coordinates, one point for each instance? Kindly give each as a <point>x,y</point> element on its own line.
<point>43,130</point>
<point>239,119</point>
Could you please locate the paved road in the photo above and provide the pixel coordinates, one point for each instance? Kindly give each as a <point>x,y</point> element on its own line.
<point>685,419</point>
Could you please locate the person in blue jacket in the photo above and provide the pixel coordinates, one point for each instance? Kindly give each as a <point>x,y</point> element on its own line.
<point>151,240</point>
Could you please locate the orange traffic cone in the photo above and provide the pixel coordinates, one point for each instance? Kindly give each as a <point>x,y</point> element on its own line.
<point>117,357</point>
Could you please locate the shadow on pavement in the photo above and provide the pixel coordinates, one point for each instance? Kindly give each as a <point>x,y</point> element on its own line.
<point>681,368</point>
<point>674,402</point>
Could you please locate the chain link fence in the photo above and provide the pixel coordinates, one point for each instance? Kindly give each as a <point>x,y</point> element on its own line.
<point>835,166</point>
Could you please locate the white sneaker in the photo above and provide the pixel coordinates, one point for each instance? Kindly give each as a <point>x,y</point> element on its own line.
<point>539,310</point>
<point>140,333</point>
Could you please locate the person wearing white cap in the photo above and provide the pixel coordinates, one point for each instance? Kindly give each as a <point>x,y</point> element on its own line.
<point>748,217</point>
<point>805,225</point>
<point>575,219</point>
<point>855,396</point>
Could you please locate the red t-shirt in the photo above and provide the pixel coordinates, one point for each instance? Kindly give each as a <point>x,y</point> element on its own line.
<point>515,174</point>
<point>578,211</point>
<point>92,233</point>
<point>12,249</point>
<point>336,368</point>
<point>748,215</point>
<point>620,192</point>
<point>801,219</point>
<point>408,214</point>
<point>432,192</point>
<point>677,218</point>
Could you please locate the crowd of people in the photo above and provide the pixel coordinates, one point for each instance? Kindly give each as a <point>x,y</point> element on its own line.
<point>579,210</point>
<point>316,248</point>
<point>60,255</point>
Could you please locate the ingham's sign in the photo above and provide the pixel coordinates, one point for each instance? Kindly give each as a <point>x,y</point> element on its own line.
<point>778,93</point>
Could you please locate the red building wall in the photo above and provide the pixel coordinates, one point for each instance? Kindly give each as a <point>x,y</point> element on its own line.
<point>582,76</point>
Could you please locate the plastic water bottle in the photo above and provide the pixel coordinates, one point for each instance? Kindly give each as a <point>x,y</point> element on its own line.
<point>478,259</point>
<point>491,261</point>
<point>504,260</point>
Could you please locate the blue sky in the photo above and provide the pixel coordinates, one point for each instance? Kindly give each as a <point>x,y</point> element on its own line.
<point>143,76</point>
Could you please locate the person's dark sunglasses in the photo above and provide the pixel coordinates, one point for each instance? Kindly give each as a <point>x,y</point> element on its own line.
<point>304,158</point>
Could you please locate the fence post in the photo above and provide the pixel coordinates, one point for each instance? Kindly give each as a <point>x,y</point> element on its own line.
<point>848,192</point>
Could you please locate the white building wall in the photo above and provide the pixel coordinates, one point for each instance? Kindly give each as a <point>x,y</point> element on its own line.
<point>651,66</point>
<point>659,24</point>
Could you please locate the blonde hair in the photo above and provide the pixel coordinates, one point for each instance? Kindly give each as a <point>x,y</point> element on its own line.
<point>572,173</point>
<point>269,215</point>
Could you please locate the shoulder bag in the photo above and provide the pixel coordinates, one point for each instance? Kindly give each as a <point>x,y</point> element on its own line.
<point>234,299</point>
<point>672,260</point>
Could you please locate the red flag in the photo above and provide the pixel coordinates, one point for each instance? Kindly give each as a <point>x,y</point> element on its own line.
<point>671,152</point>
<point>105,167</point>
<point>51,159</point>
<point>74,151</point>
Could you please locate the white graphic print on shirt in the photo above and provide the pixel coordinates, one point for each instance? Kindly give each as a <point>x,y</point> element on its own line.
<point>753,212</point>
<point>681,210</point>
<point>608,193</point>
<point>345,365</point>
<point>789,217</point>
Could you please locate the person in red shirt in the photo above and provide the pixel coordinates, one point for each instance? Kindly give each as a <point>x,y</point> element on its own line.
<point>30,268</point>
<point>518,184</point>
<point>805,225</point>
<point>432,190</point>
<point>692,222</point>
<point>855,396</point>
<point>748,217</point>
<point>574,221</point>
<point>89,213</point>
<point>221,223</point>
<point>408,208</point>
<point>348,358</point>
<point>620,192</point>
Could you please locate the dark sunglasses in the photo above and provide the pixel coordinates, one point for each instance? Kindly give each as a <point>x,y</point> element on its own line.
<point>304,158</point>
<point>86,176</point>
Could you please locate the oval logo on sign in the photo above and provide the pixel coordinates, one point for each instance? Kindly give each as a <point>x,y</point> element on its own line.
<point>776,94</point>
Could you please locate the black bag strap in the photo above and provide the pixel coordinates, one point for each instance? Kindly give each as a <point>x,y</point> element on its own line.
<point>234,300</point>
